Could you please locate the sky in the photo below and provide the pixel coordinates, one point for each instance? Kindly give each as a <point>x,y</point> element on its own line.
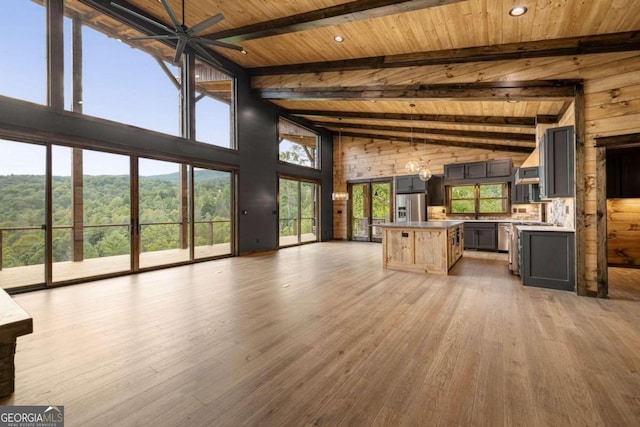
<point>119,83</point>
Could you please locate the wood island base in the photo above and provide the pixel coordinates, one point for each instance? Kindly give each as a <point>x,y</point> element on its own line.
<point>427,247</point>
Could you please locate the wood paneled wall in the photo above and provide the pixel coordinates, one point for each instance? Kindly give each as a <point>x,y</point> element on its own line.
<point>612,107</point>
<point>372,158</point>
<point>623,232</point>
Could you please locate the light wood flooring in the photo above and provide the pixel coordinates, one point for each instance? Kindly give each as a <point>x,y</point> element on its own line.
<point>321,335</point>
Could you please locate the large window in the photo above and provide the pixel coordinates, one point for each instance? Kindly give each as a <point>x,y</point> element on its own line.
<point>214,100</point>
<point>479,199</point>
<point>297,145</point>
<point>110,75</point>
<point>112,78</point>
<point>23,59</point>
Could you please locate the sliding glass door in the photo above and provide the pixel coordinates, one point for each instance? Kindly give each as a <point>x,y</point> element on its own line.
<point>109,214</point>
<point>22,214</point>
<point>163,212</point>
<point>91,213</point>
<point>212,209</point>
<point>298,211</point>
<point>370,204</point>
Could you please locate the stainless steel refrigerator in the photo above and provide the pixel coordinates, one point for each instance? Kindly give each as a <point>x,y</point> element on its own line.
<point>411,207</point>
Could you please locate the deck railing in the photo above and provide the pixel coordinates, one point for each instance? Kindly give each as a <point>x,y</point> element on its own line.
<point>210,230</point>
<point>294,225</point>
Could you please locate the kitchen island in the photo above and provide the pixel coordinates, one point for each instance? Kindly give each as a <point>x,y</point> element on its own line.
<point>425,246</point>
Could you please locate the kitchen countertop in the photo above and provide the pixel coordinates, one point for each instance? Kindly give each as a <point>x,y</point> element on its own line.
<point>544,228</point>
<point>421,224</point>
<point>509,220</point>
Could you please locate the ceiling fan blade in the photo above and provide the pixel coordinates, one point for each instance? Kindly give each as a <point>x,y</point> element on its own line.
<point>182,43</point>
<point>167,37</point>
<point>218,43</point>
<point>172,15</point>
<point>205,53</point>
<point>142,17</point>
<point>206,23</point>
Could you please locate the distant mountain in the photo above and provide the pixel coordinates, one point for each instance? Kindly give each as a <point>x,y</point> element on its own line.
<point>200,175</point>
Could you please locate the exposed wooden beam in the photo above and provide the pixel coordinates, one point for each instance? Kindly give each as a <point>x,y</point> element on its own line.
<point>504,136</point>
<point>526,122</point>
<point>601,43</point>
<point>510,90</point>
<point>628,140</point>
<point>493,147</point>
<point>564,109</point>
<point>333,15</point>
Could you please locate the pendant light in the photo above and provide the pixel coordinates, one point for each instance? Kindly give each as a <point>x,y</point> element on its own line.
<point>339,195</point>
<point>412,166</point>
<point>425,173</point>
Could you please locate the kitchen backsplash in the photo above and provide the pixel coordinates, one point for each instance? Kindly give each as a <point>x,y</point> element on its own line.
<point>561,212</point>
<point>531,212</point>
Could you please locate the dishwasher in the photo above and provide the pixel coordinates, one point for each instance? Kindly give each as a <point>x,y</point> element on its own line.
<point>504,229</point>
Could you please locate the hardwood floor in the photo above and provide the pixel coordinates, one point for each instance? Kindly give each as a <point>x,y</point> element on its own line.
<point>321,335</point>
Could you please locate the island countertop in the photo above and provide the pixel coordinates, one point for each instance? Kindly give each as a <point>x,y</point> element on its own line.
<point>421,224</point>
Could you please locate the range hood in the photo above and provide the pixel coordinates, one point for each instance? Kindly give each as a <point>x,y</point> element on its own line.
<point>527,173</point>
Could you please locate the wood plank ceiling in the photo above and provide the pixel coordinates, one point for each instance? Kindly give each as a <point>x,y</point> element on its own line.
<point>297,65</point>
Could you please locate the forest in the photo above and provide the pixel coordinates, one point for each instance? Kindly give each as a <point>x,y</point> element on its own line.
<point>106,214</point>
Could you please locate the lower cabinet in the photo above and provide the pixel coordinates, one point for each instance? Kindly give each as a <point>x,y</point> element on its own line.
<point>548,259</point>
<point>481,235</point>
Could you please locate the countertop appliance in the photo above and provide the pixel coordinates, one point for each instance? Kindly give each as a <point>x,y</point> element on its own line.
<point>411,207</point>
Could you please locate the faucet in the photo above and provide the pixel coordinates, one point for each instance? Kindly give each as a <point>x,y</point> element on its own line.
<point>476,215</point>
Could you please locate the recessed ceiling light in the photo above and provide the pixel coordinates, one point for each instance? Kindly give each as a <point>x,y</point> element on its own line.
<point>518,11</point>
<point>338,39</point>
<point>244,52</point>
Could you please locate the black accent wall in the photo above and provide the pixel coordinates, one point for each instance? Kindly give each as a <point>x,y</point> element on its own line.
<point>259,169</point>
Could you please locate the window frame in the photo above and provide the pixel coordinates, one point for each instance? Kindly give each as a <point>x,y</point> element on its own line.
<point>477,199</point>
<point>317,166</point>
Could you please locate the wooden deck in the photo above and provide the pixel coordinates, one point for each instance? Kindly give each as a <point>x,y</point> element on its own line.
<point>293,240</point>
<point>322,335</point>
<point>62,271</point>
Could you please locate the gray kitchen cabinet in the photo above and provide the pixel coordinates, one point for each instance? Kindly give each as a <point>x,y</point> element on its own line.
<point>548,259</point>
<point>478,172</point>
<point>410,184</point>
<point>454,172</point>
<point>524,194</point>
<point>435,191</point>
<point>481,235</point>
<point>557,152</point>
<point>497,168</point>
<point>475,170</point>
<point>526,173</point>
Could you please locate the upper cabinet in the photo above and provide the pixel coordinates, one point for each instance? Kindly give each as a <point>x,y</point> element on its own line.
<point>410,184</point>
<point>499,168</point>
<point>475,170</point>
<point>435,190</point>
<point>454,172</point>
<point>557,163</point>
<point>478,171</point>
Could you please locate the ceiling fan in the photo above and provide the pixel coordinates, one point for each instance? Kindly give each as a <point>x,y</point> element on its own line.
<point>184,35</point>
